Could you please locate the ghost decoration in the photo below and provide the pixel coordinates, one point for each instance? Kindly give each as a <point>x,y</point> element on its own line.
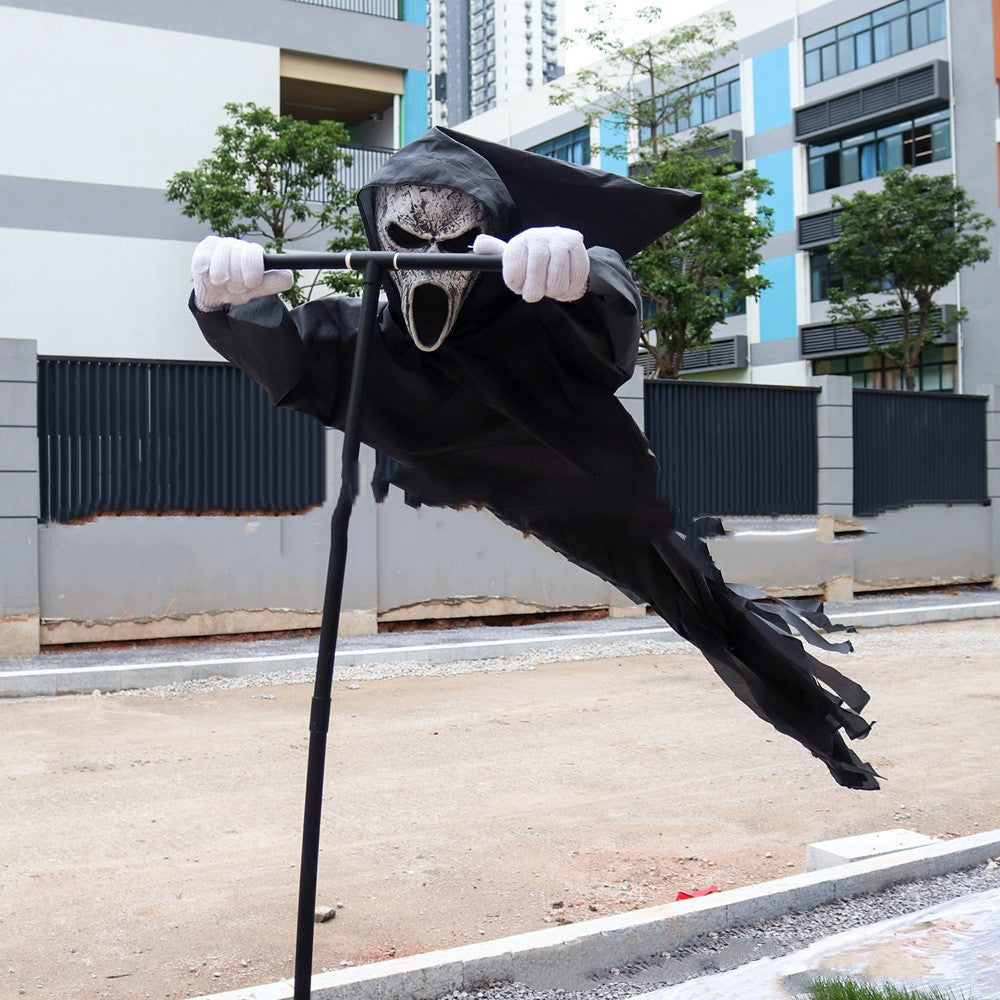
<point>410,217</point>
<point>487,392</point>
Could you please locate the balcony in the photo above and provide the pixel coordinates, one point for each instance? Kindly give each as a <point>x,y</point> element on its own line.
<point>377,8</point>
<point>366,162</point>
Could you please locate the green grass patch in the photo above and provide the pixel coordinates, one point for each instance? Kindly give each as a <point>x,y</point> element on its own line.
<point>846,989</point>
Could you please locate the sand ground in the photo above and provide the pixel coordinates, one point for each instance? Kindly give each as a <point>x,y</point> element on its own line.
<point>149,844</point>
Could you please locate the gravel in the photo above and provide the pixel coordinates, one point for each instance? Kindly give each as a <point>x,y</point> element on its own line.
<point>955,640</point>
<point>717,952</point>
<point>355,672</point>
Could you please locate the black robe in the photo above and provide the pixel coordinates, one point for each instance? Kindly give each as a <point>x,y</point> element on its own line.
<point>516,412</point>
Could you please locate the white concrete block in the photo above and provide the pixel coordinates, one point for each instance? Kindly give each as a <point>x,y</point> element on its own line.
<point>827,853</point>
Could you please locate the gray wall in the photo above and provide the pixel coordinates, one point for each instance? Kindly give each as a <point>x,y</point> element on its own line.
<point>130,577</point>
<point>975,157</point>
<point>134,577</point>
<point>18,497</point>
<point>300,27</point>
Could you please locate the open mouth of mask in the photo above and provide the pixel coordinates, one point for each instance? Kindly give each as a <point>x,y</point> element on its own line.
<point>413,218</point>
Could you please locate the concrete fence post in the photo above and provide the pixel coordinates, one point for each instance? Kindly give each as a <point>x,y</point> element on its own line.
<point>835,467</point>
<point>992,392</point>
<point>19,607</point>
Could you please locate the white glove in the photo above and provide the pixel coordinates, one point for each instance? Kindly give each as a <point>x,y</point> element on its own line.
<point>548,261</point>
<point>230,272</point>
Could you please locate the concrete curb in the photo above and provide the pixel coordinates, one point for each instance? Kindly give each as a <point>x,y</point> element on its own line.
<point>36,680</point>
<point>923,614</point>
<point>122,676</point>
<point>549,958</point>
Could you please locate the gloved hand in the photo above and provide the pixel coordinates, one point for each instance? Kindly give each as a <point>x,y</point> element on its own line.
<point>548,261</point>
<point>230,272</point>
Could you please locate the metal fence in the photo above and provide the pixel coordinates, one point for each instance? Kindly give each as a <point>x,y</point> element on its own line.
<point>733,449</point>
<point>365,161</point>
<point>119,436</point>
<point>379,8</point>
<point>917,447</point>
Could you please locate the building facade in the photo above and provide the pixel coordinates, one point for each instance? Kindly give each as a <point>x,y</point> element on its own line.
<point>485,52</point>
<point>148,489</point>
<point>104,103</point>
<point>820,97</point>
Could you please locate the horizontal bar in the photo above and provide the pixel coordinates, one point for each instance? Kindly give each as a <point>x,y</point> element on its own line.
<point>355,260</point>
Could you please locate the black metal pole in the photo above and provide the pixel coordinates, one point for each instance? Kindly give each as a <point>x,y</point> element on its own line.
<point>319,720</point>
<point>374,264</point>
<point>388,261</point>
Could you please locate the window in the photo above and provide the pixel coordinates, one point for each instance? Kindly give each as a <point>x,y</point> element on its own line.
<point>714,97</point>
<point>573,147</point>
<point>913,143</point>
<point>822,275</point>
<point>935,370</point>
<point>886,32</point>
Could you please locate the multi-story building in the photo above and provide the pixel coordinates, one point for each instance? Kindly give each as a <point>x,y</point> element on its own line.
<point>820,96</point>
<point>485,52</point>
<point>103,103</point>
<point>148,489</point>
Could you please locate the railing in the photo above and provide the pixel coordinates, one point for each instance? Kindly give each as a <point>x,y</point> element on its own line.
<point>365,162</point>
<point>917,447</point>
<point>120,436</point>
<point>733,449</point>
<point>378,8</point>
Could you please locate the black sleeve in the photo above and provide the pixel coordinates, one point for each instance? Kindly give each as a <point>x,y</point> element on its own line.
<point>301,358</point>
<point>607,320</point>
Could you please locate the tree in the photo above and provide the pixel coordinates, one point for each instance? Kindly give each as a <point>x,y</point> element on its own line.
<point>647,84</point>
<point>902,245</point>
<point>695,275</point>
<point>276,177</point>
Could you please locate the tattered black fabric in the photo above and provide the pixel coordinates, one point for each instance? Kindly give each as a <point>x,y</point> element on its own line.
<point>516,413</point>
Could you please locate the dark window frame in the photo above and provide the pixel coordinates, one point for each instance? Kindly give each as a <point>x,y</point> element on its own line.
<point>714,97</point>
<point>891,30</point>
<point>936,370</point>
<point>830,165</point>
<point>571,147</point>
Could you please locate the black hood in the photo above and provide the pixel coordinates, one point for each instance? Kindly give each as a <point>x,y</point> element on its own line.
<point>522,190</point>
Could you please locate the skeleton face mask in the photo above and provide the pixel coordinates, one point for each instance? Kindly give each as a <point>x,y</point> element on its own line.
<point>411,218</point>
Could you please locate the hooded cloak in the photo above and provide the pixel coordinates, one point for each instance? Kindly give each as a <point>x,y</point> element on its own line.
<point>516,413</point>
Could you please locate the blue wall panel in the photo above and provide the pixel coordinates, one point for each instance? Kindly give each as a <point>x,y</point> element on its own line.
<point>772,93</point>
<point>415,115</point>
<point>778,316</point>
<point>414,11</point>
<point>777,168</point>
<point>613,133</point>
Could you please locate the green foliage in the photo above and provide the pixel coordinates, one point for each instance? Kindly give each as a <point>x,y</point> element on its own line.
<point>638,83</point>
<point>262,179</point>
<point>697,274</point>
<point>846,989</point>
<point>897,248</point>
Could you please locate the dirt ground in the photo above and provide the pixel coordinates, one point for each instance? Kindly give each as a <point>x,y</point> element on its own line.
<point>149,845</point>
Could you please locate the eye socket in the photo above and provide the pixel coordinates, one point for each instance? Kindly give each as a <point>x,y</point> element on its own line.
<point>462,243</point>
<point>405,239</point>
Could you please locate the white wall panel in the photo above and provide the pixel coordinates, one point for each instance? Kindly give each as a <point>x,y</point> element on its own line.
<point>99,102</point>
<point>100,296</point>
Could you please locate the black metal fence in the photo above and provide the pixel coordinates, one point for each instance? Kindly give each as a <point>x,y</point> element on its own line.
<point>119,436</point>
<point>917,447</point>
<point>733,449</point>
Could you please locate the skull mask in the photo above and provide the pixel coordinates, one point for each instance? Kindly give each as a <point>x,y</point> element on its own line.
<point>413,218</point>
